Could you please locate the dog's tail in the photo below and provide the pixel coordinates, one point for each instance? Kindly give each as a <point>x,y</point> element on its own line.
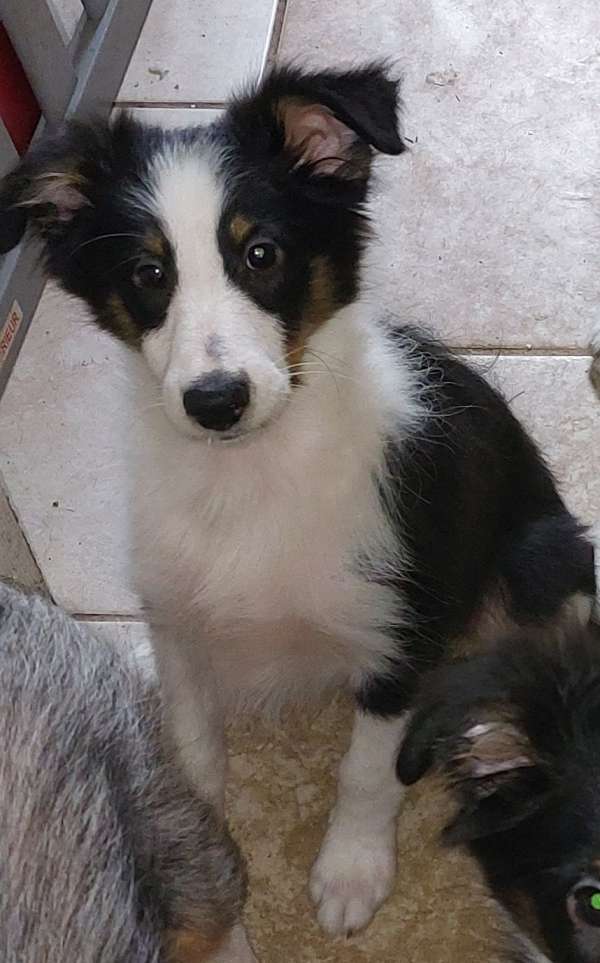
<point>549,564</point>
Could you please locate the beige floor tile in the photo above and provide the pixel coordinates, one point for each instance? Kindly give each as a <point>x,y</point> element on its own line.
<point>192,51</point>
<point>64,423</point>
<point>490,226</point>
<point>554,399</point>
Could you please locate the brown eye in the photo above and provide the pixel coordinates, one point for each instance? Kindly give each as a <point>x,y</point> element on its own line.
<point>261,255</point>
<point>149,274</point>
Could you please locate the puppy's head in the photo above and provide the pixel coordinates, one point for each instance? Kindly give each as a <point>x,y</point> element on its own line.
<point>220,250</point>
<point>517,733</point>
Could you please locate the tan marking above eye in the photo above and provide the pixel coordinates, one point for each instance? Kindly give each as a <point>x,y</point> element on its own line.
<point>240,228</point>
<point>154,243</point>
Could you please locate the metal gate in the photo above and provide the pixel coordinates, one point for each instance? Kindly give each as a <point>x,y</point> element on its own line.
<point>69,77</point>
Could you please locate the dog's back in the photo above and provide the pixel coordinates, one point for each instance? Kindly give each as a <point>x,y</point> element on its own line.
<point>103,850</point>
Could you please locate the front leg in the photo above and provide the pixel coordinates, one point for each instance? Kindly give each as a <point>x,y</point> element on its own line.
<point>356,867</point>
<point>193,713</point>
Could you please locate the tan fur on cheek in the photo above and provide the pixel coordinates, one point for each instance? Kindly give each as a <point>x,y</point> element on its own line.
<point>320,306</point>
<point>116,319</point>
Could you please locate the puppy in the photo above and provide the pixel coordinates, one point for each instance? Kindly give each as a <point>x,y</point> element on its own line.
<point>106,853</point>
<point>517,731</point>
<point>321,497</point>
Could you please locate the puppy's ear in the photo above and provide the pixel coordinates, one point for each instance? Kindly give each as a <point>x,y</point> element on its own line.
<point>496,776</point>
<point>55,182</point>
<point>467,725</point>
<point>323,124</point>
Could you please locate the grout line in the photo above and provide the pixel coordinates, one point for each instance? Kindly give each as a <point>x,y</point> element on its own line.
<point>95,617</point>
<point>520,351</point>
<point>175,104</point>
<point>277,31</point>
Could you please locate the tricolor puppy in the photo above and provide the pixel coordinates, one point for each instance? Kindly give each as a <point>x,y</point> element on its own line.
<point>322,498</point>
<point>517,732</point>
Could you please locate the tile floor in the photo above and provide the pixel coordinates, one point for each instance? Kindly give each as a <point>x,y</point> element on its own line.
<point>489,234</point>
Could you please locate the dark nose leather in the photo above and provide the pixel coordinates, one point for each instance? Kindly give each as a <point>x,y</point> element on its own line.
<point>217,401</point>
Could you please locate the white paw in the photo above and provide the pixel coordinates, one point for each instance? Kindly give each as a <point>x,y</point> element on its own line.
<point>353,875</point>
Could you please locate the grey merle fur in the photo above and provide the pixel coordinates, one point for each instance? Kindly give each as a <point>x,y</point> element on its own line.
<point>103,847</point>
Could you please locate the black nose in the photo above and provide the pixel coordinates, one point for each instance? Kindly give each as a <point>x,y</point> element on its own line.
<point>218,399</point>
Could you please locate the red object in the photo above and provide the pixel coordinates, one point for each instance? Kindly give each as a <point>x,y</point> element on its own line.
<point>18,107</point>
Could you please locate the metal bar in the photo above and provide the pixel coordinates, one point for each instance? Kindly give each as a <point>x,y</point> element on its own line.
<point>39,41</point>
<point>104,61</point>
<point>103,56</point>
<point>8,153</point>
<point>95,9</point>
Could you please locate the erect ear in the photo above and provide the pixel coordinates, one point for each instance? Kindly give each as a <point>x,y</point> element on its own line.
<point>324,123</point>
<point>56,180</point>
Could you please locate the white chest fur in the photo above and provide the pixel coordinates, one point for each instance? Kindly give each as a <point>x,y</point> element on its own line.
<point>255,547</point>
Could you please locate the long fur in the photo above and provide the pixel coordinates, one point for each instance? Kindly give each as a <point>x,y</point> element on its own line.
<point>103,848</point>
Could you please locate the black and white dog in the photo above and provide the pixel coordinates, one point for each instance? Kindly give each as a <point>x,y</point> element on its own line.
<point>517,732</point>
<point>322,498</point>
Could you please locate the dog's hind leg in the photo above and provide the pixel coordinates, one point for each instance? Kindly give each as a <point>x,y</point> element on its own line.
<point>355,870</point>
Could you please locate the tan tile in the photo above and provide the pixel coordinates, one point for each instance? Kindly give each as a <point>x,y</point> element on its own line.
<point>191,51</point>
<point>490,225</point>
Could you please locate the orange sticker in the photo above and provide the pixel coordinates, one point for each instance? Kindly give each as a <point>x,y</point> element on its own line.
<point>9,330</point>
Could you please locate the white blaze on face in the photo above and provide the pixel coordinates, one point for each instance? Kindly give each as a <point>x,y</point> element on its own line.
<point>206,307</point>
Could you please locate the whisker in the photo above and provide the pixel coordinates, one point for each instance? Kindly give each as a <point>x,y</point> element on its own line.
<point>102,237</point>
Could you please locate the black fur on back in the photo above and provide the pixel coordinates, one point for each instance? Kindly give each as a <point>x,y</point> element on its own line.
<point>479,513</point>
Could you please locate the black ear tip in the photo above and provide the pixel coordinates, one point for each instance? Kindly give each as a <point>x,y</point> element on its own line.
<point>392,144</point>
<point>13,222</point>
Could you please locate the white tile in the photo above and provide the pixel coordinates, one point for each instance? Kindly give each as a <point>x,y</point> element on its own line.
<point>64,424</point>
<point>191,51</point>
<point>490,226</point>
